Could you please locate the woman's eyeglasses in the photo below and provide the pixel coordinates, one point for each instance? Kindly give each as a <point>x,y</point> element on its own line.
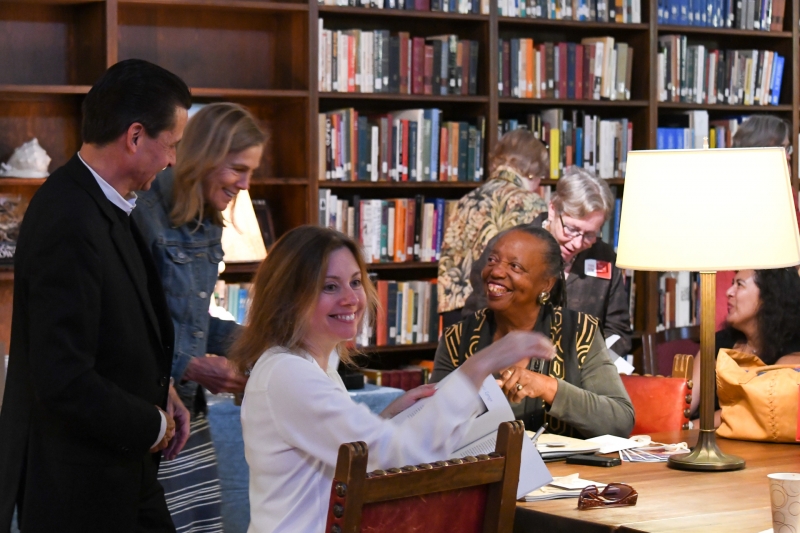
<point>613,495</point>
<point>574,233</point>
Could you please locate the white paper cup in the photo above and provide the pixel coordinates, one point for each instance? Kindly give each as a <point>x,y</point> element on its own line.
<point>784,491</point>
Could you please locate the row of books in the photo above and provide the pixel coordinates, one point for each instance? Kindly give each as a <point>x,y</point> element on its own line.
<point>596,68</point>
<point>474,7</point>
<point>361,61</point>
<point>765,15</point>
<point>679,299</point>
<point>405,378</point>
<point>696,74</point>
<point>588,141</point>
<point>620,11</point>
<point>407,313</point>
<point>233,298</point>
<point>407,145</point>
<point>688,131</point>
<point>394,230</point>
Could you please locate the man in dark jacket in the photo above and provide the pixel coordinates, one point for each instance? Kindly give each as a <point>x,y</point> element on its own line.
<point>595,286</point>
<point>85,413</point>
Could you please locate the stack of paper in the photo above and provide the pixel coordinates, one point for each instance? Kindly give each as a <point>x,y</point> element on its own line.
<point>561,487</point>
<point>555,446</point>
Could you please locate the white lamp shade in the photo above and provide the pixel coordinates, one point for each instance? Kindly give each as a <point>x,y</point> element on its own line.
<point>708,210</point>
<point>241,239</point>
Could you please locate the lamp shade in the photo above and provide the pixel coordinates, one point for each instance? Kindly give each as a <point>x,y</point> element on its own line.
<point>708,210</point>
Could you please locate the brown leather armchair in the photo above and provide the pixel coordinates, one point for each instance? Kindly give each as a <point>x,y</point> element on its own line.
<point>661,403</point>
<point>470,495</point>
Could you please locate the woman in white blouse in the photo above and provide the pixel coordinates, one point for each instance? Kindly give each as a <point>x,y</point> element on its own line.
<point>308,299</point>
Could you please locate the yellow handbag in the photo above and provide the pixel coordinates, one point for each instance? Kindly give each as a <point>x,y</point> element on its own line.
<point>759,402</point>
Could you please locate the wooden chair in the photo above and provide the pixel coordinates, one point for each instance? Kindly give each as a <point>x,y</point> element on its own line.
<point>659,349</point>
<point>470,495</point>
<point>660,403</point>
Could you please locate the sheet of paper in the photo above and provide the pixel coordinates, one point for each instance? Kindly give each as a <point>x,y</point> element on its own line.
<point>623,366</point>
<point>610,443</point>
<point>481,437</point>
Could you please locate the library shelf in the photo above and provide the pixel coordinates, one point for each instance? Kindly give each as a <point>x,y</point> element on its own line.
<point>558,102</point>
<point>718,32</point>
<point>43,89</point>
<point>408,265</point>
<point>467,185</point>
<point>21,182</point>
<point>241,268</point>
<point>6,273</point>
<point>224,92</point>
<point>400,13</point>
<point>278,181</point>
<point>399,348</point>
<point>233,5</point>
<point>610,181</point>
<point>392,97</point>
<point>726,107</point>
<point>548,24</point>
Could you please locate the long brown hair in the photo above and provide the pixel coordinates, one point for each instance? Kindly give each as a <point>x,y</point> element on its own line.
<point>286,289</point>
<point>214,132</point>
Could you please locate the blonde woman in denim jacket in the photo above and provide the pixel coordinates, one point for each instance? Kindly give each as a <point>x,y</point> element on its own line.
<point>181,220</point>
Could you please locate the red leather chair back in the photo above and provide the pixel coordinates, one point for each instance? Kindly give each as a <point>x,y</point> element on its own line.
<point>659,403</point>
<point>432,512</point>
<point>471,495</point>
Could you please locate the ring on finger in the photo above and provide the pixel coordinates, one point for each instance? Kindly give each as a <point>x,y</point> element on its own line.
<point>519,386</point>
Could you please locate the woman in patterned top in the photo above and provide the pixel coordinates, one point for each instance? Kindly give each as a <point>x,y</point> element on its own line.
<point>517,164</point>
<point>579,392</point>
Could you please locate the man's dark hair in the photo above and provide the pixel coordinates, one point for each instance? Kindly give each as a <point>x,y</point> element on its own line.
<point>131,91</point>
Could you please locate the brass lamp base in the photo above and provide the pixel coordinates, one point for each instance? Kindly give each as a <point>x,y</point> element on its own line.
<point>706,457</point>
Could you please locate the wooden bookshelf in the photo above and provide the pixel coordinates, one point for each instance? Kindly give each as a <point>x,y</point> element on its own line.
<point>264,55</point>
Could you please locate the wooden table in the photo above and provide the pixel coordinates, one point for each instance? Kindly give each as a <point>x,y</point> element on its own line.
<point>671,500</point>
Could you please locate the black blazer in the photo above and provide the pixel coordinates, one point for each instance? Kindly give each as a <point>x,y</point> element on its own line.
<point>90,356</point>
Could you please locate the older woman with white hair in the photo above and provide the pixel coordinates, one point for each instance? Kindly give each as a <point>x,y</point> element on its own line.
<point>577,210</point>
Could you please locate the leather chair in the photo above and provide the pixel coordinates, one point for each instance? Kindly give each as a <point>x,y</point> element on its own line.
<point>661,403</point>
<point>470,495</point>
<point>659,349</point>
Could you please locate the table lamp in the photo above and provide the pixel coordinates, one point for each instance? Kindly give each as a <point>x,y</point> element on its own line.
<point>704,211</point>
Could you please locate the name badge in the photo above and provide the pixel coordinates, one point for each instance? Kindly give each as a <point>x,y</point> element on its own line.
<point>597,269</point>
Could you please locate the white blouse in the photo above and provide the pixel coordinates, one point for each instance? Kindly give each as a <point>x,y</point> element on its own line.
<point>295,417</point>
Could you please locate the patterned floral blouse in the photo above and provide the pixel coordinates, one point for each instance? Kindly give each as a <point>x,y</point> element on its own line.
<point>499,204</point>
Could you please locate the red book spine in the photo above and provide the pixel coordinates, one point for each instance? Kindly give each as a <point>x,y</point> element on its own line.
<point>418,65</point>
<point>380,319</point>
<point>351,64</point>
<point>427,71</point>
<point>589,92</point>
<point>404,62</point>
<point>562,70</point>
<point>579,72</point>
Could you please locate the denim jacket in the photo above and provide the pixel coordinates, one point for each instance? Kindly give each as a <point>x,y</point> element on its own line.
<point>188,259</point>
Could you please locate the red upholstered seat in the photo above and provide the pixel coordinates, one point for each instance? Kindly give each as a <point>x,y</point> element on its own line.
<point>470,495</point>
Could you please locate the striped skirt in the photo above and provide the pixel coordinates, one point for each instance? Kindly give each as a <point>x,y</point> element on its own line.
<point>191,483</point>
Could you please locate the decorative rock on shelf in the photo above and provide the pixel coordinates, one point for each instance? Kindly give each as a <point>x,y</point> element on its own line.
<point>28,161</point>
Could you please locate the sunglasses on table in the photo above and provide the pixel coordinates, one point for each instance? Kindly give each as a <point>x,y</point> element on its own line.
<point>613,495</point>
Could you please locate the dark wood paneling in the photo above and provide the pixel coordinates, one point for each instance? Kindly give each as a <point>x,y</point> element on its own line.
<point>218,47</point>
<point>53,119</point>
